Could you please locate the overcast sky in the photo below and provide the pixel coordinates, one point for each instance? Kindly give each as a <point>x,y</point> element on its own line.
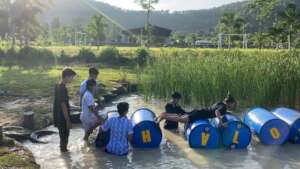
<point>172,4</point>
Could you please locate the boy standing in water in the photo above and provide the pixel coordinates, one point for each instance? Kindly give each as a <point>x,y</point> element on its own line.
<point>173,108</point>
<point>61,108</point>
<point>121,131</point>
<point>93,74</point>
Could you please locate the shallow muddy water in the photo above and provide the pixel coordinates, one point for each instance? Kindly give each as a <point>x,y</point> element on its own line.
<point>173,153</point>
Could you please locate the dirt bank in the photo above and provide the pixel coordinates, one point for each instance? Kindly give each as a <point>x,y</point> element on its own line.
<point>14,155</point>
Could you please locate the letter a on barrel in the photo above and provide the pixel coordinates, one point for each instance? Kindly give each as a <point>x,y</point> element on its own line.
<point>201,134</point>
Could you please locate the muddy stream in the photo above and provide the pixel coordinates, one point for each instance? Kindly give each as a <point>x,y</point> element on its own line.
<point>174,152</point>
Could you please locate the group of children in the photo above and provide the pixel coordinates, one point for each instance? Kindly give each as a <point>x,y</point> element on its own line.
<point>119,127</point>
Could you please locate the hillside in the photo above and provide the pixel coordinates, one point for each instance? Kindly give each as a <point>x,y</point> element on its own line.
<point>183,21</point>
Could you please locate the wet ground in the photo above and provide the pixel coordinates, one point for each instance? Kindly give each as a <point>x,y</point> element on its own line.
<point>174,152</point>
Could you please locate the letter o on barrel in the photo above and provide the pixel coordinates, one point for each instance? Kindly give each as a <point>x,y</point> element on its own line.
<point>201,134</point>
<point>146,132</point>
<point>291,117</point>
<point>236,134</point>
<point>270,129</point>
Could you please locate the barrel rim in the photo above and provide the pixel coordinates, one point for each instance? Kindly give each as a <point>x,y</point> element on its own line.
<point>144,108</point>
<point>257,107</point>
<point>277,119</point>
<point>250,109</point>
<point>286,108</point>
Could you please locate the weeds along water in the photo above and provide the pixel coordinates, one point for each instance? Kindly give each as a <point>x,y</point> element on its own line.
<point>254,77</point>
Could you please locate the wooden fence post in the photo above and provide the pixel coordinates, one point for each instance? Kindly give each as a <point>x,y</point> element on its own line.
<point>28,120</point>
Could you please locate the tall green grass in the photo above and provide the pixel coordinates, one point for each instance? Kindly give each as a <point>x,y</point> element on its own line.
<point>254,77</point>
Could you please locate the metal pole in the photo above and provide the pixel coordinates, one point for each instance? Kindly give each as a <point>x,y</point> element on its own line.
<point>229,42</point>
<point>1,133</point>
<point>289,41</point>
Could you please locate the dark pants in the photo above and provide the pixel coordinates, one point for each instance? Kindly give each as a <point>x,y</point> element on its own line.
<point>64,133</point>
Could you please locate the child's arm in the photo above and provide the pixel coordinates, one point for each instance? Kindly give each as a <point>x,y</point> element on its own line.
<point>66,115</point>
<point>175,117</point>
<point>130,131</point>
<point>94,110</point>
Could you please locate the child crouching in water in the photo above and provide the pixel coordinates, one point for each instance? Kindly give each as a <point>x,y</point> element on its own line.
<point>89,115</point>
<point>120,131</point>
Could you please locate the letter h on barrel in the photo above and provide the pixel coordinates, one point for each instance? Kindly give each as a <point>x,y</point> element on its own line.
<point>146,132</point>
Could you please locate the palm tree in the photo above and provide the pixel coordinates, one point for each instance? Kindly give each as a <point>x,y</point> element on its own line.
<point>277,34</point>
<point>148,6</point>
<point>231,23</point>
<point>290,18</point>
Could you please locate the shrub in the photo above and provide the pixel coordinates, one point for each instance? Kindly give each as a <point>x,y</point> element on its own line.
<point>142,56</point>
<point>10,58</point>
<point>30,57</point>
<point>110,55</point>
<point>86,56</point>
<point>64,58</point>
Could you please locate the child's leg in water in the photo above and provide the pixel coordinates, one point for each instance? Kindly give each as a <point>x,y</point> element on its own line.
<point>90,130</point>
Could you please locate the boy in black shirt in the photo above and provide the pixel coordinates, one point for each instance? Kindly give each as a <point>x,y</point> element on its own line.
<point>173,108</point>
<point>61,108</point>
<point>217,110</point>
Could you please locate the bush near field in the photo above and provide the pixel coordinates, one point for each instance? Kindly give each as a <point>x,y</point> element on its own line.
<point>29,57</point>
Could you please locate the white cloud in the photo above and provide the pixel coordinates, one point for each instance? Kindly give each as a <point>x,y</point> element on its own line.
<point>172,4</point>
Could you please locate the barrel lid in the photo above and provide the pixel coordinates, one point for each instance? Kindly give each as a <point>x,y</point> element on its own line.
<point>154,115</point>
<point>274,132</point>
<point>236,135</point>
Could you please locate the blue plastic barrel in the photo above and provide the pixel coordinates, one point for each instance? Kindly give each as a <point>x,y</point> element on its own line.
<point>146,132</point>
<point>270,129</point>
<point>291,117</point>
<point>236,134</point>
<point>201,134</point>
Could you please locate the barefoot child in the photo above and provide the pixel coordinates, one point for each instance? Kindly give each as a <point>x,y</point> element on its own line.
<point>89,115</point>
<point>61,108</point>
<point>120,131</point>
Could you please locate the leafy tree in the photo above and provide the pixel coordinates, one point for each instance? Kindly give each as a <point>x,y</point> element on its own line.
<point>277,34</point>
<point>264,8</point>
<point>231,23</point>
<point>290,19</point>
<point>96,28</point>
<point>21,18</point>
<point>148,6</point>
<point>191,38</point>
<point>55,28</point>
<point>259,39</point>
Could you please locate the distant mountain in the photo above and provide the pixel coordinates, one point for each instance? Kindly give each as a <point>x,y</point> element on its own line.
<point>183,21</point>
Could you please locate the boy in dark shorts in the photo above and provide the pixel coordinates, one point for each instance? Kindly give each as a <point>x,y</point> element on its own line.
<point>61,108</point>
<point>173,108</point>
<point>217,110</point>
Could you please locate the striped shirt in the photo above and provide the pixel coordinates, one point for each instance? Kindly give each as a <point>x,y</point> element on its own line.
<point>120,128</point>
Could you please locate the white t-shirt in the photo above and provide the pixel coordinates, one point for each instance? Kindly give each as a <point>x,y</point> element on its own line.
<point>83,88</point>
<point>87,116</point>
